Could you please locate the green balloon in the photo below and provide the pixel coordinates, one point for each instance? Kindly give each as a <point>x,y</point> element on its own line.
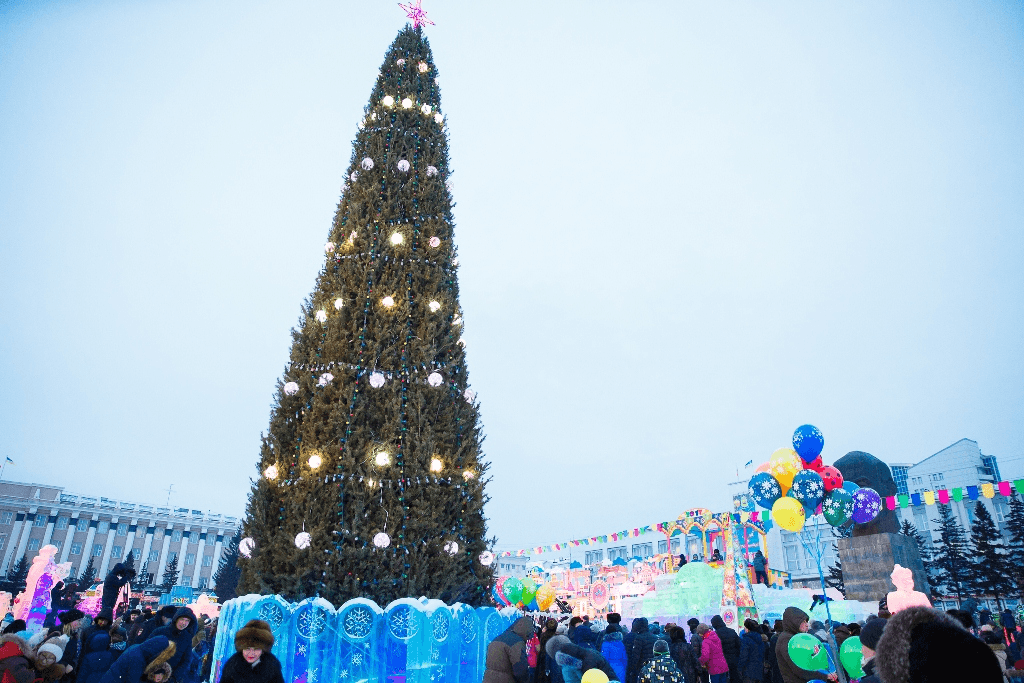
<point>529,591</point>
<point>850,655</point>
<point>837,507</point>
<point>513,590</point>
<point>806,651</point>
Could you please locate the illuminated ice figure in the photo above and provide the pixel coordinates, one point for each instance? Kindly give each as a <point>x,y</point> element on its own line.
<point>5,602</point>
<point>411,641</point>
<point>905,596</point>
<point>33,603</point>
<point>204,605</point>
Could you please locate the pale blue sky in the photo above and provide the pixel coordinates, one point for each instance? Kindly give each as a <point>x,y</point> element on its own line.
<point>685,228</point>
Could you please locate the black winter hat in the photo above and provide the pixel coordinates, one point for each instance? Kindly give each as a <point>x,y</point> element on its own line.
<point>660,647</point>
<point>168,611</point>
<point>871,631</point>
<point>693,622</point>
<point>106,613</point>
<point>71,615</point>
<point>16,626</point>
<point>614,618</point>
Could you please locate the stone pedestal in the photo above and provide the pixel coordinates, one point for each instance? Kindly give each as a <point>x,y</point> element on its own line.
<point>868,562</point>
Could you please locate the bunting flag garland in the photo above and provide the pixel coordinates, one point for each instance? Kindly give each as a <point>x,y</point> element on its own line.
<point>944,496</point>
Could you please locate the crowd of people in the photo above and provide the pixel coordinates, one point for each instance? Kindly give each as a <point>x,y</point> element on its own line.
<point>915,645</point>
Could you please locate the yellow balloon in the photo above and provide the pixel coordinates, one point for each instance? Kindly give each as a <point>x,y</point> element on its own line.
<point>595,676</point>
<point>545,596</point>
<point>785,464</point>
<point>789,514</point>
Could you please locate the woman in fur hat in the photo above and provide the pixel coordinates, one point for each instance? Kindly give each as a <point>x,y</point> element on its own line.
<point>252,661</point>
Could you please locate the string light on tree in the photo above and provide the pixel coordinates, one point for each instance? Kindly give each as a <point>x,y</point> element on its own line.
<point>382,459</point>
<point>436,465</point>
<point>315,461</point>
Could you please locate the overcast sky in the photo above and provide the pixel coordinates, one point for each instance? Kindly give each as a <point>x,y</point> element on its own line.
<point>684,228</point>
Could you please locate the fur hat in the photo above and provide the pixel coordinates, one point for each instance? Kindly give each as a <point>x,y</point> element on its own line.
<point>614,618</point>
<point>922,644</point>
<point>71,615</point>
<point>164,669</point>
<point>161,659</point>
<point>55,646</point>
<point>256,634</point>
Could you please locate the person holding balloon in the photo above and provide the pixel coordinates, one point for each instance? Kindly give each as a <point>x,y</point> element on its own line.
<point>795,625</point>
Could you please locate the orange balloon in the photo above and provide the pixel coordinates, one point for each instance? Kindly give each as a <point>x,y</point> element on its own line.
<point>764,467</point>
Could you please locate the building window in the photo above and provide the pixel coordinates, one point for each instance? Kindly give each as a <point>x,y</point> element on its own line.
<point>193,537</point>
<point>76,548</point>
<point>190,558</point>
<point>203,581</point>
<point>103,528</point>
<point>57,544</point>
<point>40,520</point>
<point>662,546</point>
<point>148,578</point>
<point>33,544</point>
<point>116,551</point>
<point>82,524</point>
<point>3,539</point>
<point>172,556</point>
<point>122,529</point>
<point>592,556</point>
<point>154,556</point>
<point>207,560</point>
<point>175,536</point>
<point>6,517</point>
<point>616,553</point>
<point>62,523</point>
<point>642,550</point>
<point>97,550</point>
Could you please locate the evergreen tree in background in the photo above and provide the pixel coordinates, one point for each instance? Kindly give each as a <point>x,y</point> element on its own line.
<point>225,581</point>
<point>951,563</point>
<point>371,480</point>
<point>924,547</point>
<point>991,568</point>
<point>1015,548</point>
<point>170,574</point>
<point>88,576</point>
<point>16,577</point>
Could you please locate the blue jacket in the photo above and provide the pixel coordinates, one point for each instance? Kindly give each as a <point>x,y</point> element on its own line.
<point>131,666</point>
<point>182,640</point>
<point>615,652</point>
<point>96,659</point>
<point>751,664</point>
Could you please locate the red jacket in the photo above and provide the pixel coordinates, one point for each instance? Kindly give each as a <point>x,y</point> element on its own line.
<point>711,654</point>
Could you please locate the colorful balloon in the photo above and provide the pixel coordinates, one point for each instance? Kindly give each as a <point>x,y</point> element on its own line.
<point>866,505</point>
<point>789,514</point>
<point>499,586</point>
<point>837,507</point>
<point>808,442</point>
<point>850,486</point>
<point>764,489</point>
<point>808,488</point>
<point>851,654</point>
<point>815,465</point>
<point>763,467</point>
<point>595,676</point>
<point>831,477</point>
<point>785,463</point>
<point>513,590</point>
<point>529,591</point>
<point>807,652</point>
<point>545,596</point>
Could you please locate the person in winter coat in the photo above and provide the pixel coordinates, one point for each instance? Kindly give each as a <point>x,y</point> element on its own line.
<point>532,648</point>
<point>160,619</point>
<point>683,655</point>
<point>711,656</point>
<point>180,632</point>
<point>661,668</point>
<point>71,626</point>
<point>253,661</point>
<point>794,620</point>
<point>100,624</point>
<point>542,656</point>
<point>760,568</point>
<point>113,583</point>
<point>639,649</point>
<point>615,652</point>
<point>615,623</point>
<point>47,655</point>
<point>921,644</point>
<point>869,636</point>
<point>584,636</point>
<point>752,646</point>
<point>695,645</point>
<point>770,656</point>
<point>551,648</point>
<point>15,665</point>
<point>730,647</point>
<point>1009,624</point>
<point>96,658</point>
<point>140,660</point>
<point>506,654</point>
<point>589,659</point>
<point>118,642</point>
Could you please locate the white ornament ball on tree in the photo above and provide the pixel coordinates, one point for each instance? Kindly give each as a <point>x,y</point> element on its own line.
<point>439,117</point>
<point>431,171</point>
<point>426,109</point>
<point>400,62</point>
<point>325,379</point>
<point>382,540</point>
<point>435,379</point>
<point>291,388</point>
<point>403,166</point>
<point>422,66</point>
<point>329,247</point>
<point>469,395</point>
<point>339,303</point>
<point>245,547</point>
<point>487,558</point>
<point>451,547</point>
<point>388,101</point>
<point>406,103</point>
<point>321,316</point>
<point>434,242</point>
<point>376,380</point>
<point>302,540</point>
<point>366,163</point>
<point>354,176</point>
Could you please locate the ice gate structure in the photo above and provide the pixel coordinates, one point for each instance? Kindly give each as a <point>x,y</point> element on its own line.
<point>414,641</point>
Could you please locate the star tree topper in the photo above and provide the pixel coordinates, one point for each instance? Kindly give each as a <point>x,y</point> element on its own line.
<point>416,13</point>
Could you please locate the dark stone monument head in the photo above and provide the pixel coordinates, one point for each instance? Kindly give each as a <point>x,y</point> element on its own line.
<point>865,470</point>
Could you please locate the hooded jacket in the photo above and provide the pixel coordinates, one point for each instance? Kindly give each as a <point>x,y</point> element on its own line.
<point>139,660</point>
<point>751,664</point>
<point>921,644</point>
<point>97,658</point>
<point>15,665</point>
<point>182,641</point>
<point>791,673</point>
<point>114,582</point>
<point>237,670</point>
<point>506,654</point>
<point>615,652</point>
<point>711,656</point>
<point>590,659</point>
<point>661,668</point>
<point>730,645</point>
<point>639,649</point>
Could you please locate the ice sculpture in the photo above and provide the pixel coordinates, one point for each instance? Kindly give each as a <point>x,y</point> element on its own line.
<point>411,641</point>
<point>33,603</point>
<point>905,596</point>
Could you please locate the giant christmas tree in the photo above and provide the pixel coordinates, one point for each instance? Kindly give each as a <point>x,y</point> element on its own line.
<point>370,479</point>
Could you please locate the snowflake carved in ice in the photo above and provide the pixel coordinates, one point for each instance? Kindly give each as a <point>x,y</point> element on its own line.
<point>272,614</point>
<point>435,653</point>
<point>403,622</point>
<point>344,673</point>
<point>312,622</point>
<point>358,622</point>
<point>440,626</point>
<point>494,625</point>
<point>311,675</point>
<point>357,658</point>
<point>468,627</point>
<point>302,649</point>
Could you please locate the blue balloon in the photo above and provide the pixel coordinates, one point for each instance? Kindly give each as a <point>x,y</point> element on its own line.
<point>850,487</point>
<point>808,488</point>
<point>808,442</point>
<point>764,489</point>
